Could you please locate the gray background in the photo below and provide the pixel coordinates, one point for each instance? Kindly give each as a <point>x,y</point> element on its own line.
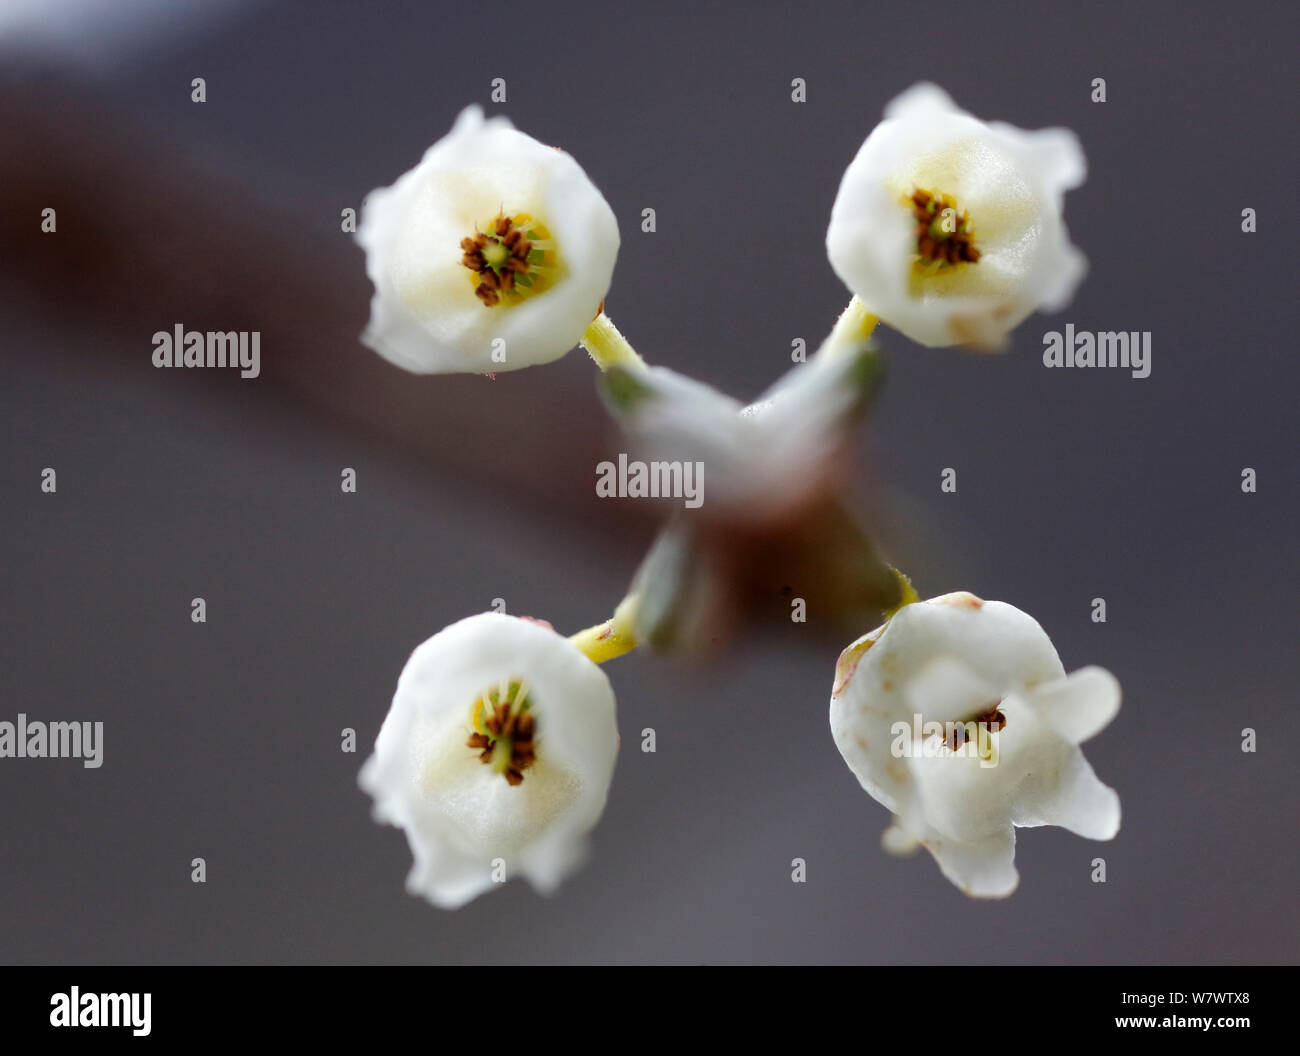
<point>222,740</point>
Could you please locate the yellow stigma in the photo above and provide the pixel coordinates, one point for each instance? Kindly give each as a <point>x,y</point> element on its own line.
<point>944,235</point>
<point>505,730</point>
<point>514,258</point>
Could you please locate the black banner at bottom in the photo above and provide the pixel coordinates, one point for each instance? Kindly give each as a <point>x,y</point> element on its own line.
<point>150,1005</point>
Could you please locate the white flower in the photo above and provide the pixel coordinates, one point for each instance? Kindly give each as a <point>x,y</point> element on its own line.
<point>959,791</point>
<point>495,757</point>
<point>493,253</point>
<point>950,229</point>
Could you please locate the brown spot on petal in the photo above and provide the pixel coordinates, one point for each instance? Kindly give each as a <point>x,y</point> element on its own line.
<point>848,661</point>
<point>540,623</point>
<point>960,599</point>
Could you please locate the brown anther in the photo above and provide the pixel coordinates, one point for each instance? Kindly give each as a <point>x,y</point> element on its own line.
<point>493,279</point>
<point>949,249</point>
<point>993,720</point>
<point>511,728</point>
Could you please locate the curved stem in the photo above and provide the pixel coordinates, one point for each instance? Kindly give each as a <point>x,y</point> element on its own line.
<point>607,347</point>
<point>614,637</point>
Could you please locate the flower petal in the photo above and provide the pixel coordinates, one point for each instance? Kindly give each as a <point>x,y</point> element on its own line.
<point>1080,706</point>
<point>983,868</point>
<point>1074,799</point>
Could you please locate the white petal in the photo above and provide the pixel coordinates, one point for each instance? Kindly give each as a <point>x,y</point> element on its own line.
<point>919,103</point>
<point>965,796</point>
<point>898,842</point>
<point>1003,646</point>
<point>944,691</point>
<point>1080,706</point>
<point>983,868</point>
<point>1073,797</point>
<point>947,690</point>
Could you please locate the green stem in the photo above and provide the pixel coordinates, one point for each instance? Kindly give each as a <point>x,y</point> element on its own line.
<point>906,590</point>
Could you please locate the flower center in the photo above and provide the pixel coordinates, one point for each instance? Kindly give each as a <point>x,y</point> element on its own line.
<point>505,730</point>
<point>514,258</point>
<point>982,726</point>
<point>944,236</point>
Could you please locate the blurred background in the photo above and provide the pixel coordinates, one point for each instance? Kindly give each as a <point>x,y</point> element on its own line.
<point>222,740</point>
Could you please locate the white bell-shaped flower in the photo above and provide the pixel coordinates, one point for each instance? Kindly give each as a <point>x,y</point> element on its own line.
<point>495,757</point>
<point>958,717</point>
<point>493,253</point>
<point>950,229</point>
